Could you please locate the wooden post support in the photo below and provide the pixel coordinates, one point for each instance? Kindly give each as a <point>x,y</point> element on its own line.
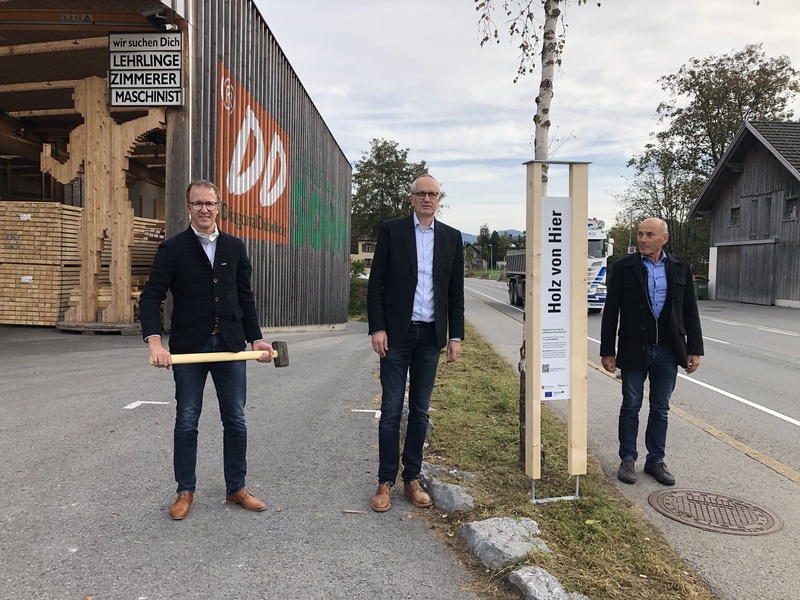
<point>101,148</point>
<point>541,274</point>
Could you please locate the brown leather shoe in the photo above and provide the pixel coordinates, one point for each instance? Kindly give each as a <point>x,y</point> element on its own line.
<point>180,508</point>
<point>246,500</point>
<point>382,500</point>
<point>420,498</point>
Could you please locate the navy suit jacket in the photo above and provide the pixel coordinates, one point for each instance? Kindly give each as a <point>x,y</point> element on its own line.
<point>393,281</point>
<point>204,296</point>
<point>627,302</point>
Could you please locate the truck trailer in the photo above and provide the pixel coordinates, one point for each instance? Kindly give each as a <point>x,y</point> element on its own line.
<point>600,247</point>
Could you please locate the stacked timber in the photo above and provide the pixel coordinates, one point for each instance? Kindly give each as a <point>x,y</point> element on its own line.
<point>40,263</point>
<point>38,254</point>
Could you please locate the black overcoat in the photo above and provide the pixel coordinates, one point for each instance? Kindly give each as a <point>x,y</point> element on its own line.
<point>627,303</point>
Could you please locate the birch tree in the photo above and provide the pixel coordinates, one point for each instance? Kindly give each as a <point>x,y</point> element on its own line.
<point>535,25</point>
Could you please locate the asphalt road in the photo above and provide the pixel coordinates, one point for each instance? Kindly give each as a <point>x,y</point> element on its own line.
<point>733,431</point>
<point>86,481</point>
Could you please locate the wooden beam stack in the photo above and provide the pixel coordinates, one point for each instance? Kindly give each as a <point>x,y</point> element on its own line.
<point>40,263</point>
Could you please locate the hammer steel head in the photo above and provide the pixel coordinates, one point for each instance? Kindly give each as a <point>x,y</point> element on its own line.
<point>282,360</point>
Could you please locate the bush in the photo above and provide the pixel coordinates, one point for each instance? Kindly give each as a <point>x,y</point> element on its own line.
<point>357,310</point>
<point>358,268</point>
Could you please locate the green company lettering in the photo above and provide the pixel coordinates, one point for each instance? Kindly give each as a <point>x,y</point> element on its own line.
<point>318,216</point>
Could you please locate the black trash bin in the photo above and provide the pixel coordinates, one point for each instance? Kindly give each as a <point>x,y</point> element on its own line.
<point>701,287</point>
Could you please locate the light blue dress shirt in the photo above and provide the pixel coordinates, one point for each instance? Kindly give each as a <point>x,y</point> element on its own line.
<point>423,295</point>
<point>656,282</point>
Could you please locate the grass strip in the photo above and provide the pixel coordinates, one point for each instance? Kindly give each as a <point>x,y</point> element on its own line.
<point>602,544</point>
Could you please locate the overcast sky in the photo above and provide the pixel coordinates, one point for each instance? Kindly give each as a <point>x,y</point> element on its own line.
<point>413,71</point>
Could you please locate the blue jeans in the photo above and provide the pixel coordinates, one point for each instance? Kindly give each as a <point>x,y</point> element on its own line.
<point>230,381</point>
<point>417,356</point>
<point>662,369</point>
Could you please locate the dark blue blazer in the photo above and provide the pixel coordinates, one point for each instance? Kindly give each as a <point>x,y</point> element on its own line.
<point>393,281</point>
<point>204,296</point>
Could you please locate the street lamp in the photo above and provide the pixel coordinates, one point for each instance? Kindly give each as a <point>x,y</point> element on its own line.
<point>490,258</point>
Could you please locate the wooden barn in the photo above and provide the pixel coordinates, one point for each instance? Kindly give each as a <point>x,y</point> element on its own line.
<point>109,108</point>
<point>751,199</point>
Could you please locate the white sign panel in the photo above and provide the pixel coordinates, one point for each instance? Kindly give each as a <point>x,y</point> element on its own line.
<point>555,298</point>
<point>146,69</point>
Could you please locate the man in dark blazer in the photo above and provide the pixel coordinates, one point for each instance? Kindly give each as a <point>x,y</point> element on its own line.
<point>651,295</point>
<point>415,307</point>
<point>214,310</point>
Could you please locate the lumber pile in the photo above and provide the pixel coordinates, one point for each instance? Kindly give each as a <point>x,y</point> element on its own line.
<point>40,262</point>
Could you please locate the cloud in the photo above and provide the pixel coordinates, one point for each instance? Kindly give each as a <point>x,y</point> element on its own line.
<point>413,72</point>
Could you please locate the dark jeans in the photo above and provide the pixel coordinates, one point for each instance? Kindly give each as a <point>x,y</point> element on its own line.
<point>662,369</point>
<point>417,356</point>
<point>230,381</point>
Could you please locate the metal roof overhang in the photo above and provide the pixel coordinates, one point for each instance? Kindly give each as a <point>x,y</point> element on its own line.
<point>46,46</point>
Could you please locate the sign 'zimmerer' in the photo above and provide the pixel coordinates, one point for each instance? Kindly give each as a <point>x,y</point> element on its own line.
<point>146,69</point>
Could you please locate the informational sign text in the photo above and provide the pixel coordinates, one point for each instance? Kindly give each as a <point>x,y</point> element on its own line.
<point>146,69</point>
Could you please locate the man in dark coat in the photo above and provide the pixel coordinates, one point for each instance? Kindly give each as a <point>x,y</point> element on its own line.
<point>415,307</point>
<point>651,295</point>
<point>214,310</point>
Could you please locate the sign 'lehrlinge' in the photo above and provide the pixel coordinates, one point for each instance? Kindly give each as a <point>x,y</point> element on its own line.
<point>146,69</point>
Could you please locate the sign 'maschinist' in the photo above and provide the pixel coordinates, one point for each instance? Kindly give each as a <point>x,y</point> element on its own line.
<point>146,69</point>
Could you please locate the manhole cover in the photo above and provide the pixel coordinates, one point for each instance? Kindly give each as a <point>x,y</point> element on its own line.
<point>714,512</point>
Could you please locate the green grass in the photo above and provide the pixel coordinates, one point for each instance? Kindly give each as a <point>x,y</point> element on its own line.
<point>602,545</point>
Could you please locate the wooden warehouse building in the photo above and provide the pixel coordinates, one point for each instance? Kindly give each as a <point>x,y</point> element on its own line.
<point>108,108</point>
<point>751,199</point>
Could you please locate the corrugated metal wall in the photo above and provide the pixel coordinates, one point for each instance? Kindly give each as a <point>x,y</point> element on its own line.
<point>285,182</point>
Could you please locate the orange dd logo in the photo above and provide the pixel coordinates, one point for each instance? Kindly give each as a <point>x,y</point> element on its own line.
<point>252,167</point>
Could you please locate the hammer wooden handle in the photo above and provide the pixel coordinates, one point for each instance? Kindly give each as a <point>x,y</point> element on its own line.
<point>205,357</point>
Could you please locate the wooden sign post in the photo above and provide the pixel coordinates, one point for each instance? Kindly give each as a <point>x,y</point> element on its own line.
<point>556,266</point>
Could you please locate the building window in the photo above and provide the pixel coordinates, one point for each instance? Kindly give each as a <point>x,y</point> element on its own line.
<point>734,217</point>
<point>790,209</point>
<point>368,247</point>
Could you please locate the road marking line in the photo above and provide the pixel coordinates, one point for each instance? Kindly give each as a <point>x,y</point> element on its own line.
<point>138,403</point>
<point>760,457</point>
<point>377,413</point>
<point>769,411</point>
<point>715,340</point>
<point>764,459</point>
<point>750,403</point>
<point>759,327</point>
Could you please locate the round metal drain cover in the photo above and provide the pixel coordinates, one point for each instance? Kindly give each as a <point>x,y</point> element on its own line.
<point>714,512</point>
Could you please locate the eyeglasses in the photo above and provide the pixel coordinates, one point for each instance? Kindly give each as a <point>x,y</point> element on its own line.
<point>421,195</point>
<point>201,205</point>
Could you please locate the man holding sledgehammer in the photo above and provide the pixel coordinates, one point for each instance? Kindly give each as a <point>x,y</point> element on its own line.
<point>214,310</point>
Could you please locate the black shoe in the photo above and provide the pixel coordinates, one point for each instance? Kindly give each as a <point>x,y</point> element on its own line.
<point>659,472</point>
<point>627,471</point>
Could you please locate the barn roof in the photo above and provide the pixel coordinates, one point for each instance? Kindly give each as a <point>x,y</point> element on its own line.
<point>781,139</point>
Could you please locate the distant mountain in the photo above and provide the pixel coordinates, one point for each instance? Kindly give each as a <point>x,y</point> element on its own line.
<point>471,239</point>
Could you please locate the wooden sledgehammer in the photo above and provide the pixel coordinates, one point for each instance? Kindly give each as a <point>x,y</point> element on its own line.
<point>280,356</point>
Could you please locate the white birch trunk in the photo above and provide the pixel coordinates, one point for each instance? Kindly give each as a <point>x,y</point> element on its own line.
<point>541,151</point>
